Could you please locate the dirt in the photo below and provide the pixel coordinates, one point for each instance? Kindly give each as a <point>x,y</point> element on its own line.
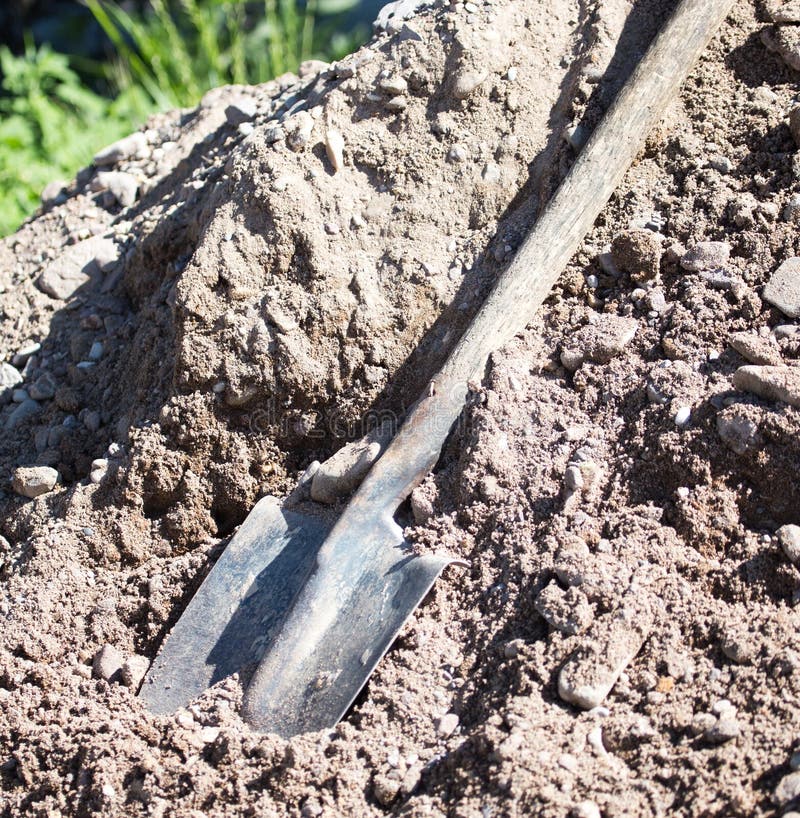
<point>616,499</point>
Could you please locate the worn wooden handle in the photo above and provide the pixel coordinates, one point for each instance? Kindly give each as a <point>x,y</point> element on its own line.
<point>550,245</point>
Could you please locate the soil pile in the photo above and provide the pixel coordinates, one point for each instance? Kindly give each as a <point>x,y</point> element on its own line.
<point>239,289</point>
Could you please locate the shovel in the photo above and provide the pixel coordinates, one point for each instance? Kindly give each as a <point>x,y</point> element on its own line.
<point>303,607</point>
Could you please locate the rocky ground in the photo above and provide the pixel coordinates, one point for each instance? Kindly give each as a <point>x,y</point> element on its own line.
<point>231,295</point>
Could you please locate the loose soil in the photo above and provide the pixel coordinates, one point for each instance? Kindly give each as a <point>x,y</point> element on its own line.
<point>265,308</point>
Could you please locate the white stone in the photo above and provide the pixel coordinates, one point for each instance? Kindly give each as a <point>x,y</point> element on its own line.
<point>783,288</point>
<point>131,147</point>
<point>775,383</point>
<point>706,255</point>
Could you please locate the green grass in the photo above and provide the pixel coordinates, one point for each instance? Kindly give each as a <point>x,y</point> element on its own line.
<point>52,120</point>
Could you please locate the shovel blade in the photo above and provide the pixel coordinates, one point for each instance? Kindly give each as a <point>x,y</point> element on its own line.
<point>228,624</point>
<point>302,613</point>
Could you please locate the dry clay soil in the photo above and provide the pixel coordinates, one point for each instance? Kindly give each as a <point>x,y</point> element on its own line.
<point>262,296</point>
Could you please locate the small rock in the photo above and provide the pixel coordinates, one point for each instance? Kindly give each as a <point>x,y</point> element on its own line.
<point>586,809</point>
<point>131,147</point>
<point>458,154</point>
<point>783,331</point>
<point>791,211</point>
<point>99,470</point>
<point>706,255</point>
<point>421,506</point>
<point>241,111</point>
<point>22,354</point>
<point>75,266</point>
<point>588,675</point>
<point>600,341</point>
<point>785,41</point>
<point>467,81</point>
<point>638,253</point>
<point>789,538</point>
<point>26,409</point>
<point>107,663</point>
<point>446,725</point>
<point>340,474</point>
<point>776,383</point>
<point>393,86</point>
<point>683,416</point>
<point>124,187</point>
<point>33,481</point>
<point>399,103</point>
<point>334,147</point>
<point>43,388</point>
<point>724,729</point>
<point>53,192</point>
<point>756,349</point>
<point>788,790</point>
<point>512,649</point>
<point>133,671</point>
<point>566,611</point>
<point>9,378</point>
<point>386,789</point>
<point>491,173</point>
<point>783,288</point>
<point>738,432</point>
<point>573,479</point>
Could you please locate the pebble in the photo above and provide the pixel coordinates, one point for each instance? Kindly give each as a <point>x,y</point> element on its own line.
<point>788,790</point>
<point>98,470</point>
<point>467,81</point>
<point>756,349</point>
<point>133,671</point>
<point>511,74</point>
<point>791,211</point>
<point>706,255</point>
<point>274,134</point>
<point>683,416</point>
<point>20,395</point>
<point>96,351</point>
<point>131,147</point>
<point>398,103</point>
<point>107,663</point>
<point>588,675</point>
<point>512,649</point>
<point>76,265</point>
<point>386,789</point>
<point>24,410</point>
<point>53,192</point>
<point>567,611</point>
<point>124,187</point>
<point>457,153</point>
<point>783,288</point>
<point>789,538</point>
<point>43,388</point>
<point>23,353</point>
<point>739,433</point>
<point>724,729</point>
<point>491,173</point>
<point>776,383</point>
<point>9,378</point>
<point>394,86</point>
<point>340,474</point>
<point>573,478</point>
<point>446,725</point>
<point>241,111</point>
<point>334,147</point>
<point>586,809</point>
<point>33,481</point>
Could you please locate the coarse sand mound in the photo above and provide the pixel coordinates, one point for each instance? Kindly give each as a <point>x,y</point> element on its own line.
<point>240,289</point>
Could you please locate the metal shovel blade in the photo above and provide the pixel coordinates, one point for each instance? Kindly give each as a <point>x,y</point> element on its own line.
<point>226,627</point>
<point>262,583</point>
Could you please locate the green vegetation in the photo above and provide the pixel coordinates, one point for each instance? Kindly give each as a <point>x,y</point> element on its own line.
<point>53,119</point>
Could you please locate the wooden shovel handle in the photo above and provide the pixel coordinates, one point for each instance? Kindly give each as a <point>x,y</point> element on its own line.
<point>548,248</point>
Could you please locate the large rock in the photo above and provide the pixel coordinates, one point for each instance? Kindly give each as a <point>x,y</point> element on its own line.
<point>783,288</point>
<point>76,266</point>
<point>770,382</point>
<point>33,481</point>
<point>613,640</point>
